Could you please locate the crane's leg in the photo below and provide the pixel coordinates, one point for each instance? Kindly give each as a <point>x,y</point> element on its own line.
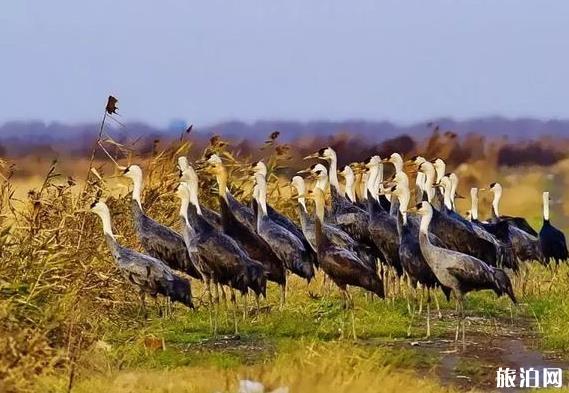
<point>211,305</point>
<point>463,324</point>
<point>428,313</point>
<point>216,292</point>
<point>421,299</point>
<point>440,315</point>
<point>234,303</point>
<point>386,281</point>
<point>245,305</point>
<point>257,304</point>
<point>223,295</point>
<point>283,297</point>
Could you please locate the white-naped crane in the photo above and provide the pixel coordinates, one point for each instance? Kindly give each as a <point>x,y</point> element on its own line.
<point>462,273</point>
<point>210,215</point>
<point>242,212</point>
<point>553,243</point>
<point>297,258</point>
<point>222,259</point>
<point>518,222</point>
<point>525,241</point>
<point>336,235</point>
<point>158,240</point>
<point>343,266</point>
<point>382,225</point>
<point>497,233</point>
<point>147,274</point>
<point>413,263</point>
<point>456,233</point>
<point>259,168</point>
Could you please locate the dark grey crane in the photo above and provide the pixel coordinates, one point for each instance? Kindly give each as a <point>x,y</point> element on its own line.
<point>460,272</point>
<point>382,226</point>
<point>553,243</point>
<point>456,233</point>
<point>525,241</point>
<point>335,234</point>
<point>259,168</point>
<point>243,213</point>
<point>343,266</point>
<point>345,215</point>
<point>289,248</point>
<point>498,234</point>
<point>158,240</point>
<point>147,274</point>
<point>413,263</point>
<point>213,217</point>
<point>221,258</point>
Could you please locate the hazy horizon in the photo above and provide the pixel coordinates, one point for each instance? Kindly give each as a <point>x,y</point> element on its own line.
<point>250,61</point>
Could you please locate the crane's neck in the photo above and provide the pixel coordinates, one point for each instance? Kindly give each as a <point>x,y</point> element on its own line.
<point>373,174</point>
<point>261,193</point>
<point>453,187</point>
<point>184,204</point>
<point>440,171</point>
<point>221,177</point>
<point>106,221</point>
<point>333,173</point>
<point>193,196</point>
<point>362,186</point>
<point>425,221</point>
<point>319,203</point>
<point>378,184</point>
<point>546,206</point>
<point>300,190</point>
<point>474,203</point>
<point>429,180</point>
<point>322,182</point>
<point>398,164</point>
<point>350,192</point>
<point>137,190</point>
<point>496,201</point>
<point>447,196</point>
<point>404,197</point>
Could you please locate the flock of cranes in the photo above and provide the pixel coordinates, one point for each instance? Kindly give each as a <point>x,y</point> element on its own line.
<point>371,236</point>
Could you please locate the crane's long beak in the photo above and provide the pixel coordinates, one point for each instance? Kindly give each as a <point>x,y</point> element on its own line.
<point>482,189</point>
<point>311,156</point>
<point>304,171</point>
<point>413,209</point>
<point>458,196</point>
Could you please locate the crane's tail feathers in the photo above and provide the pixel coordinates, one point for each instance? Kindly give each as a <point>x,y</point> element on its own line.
<point>257,278</point>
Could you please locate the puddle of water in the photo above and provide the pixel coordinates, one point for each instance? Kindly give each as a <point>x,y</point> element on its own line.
<point>491,344</point>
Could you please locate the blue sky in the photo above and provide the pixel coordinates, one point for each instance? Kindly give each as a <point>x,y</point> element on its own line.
<point>214,60</point>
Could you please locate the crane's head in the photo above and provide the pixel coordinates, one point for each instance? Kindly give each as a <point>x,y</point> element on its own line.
<point>100,208</point>
<point>133,172</point>
<point>395,158</point>
<point>183,163</point>
<point>298,184</point>
<point>424,208</point>
<point>326,153</point>
<point>347,172</point>
<point>182,292</point>
<point>213,159</point>
<point>417,160</point>
<point>495,187</point>
<point>372,161</point>
<point>259,167</point>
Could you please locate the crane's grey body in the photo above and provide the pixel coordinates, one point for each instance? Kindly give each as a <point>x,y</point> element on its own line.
<point>149,274</point>
<point>163,243</point>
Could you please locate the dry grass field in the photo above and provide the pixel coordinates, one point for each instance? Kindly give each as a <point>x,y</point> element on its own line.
<point>68,322</point>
